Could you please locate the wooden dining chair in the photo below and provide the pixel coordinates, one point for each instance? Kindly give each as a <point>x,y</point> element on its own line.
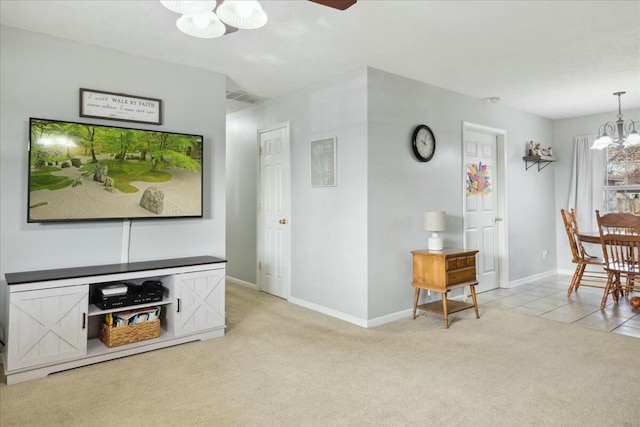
<point>620,237</point>
<point>594,277</point>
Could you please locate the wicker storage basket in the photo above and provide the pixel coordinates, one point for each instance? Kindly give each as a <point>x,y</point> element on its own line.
<point>113,337</point>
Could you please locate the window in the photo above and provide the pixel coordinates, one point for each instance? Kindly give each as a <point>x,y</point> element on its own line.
<point>622,182</point>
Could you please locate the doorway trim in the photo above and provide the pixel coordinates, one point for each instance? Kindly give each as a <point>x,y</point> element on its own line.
<point>503,226</point>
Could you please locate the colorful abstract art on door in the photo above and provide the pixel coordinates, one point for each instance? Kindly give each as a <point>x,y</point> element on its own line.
<point>478,180</point>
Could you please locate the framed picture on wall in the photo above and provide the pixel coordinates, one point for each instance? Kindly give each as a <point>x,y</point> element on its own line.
<point>120,106</point>
<point>324,162</point>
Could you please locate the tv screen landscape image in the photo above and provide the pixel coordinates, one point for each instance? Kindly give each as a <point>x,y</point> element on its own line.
<point>83,171</point>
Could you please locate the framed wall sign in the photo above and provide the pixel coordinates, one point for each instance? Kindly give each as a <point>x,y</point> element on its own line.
<point>323,162</point>
<point>120,106</point>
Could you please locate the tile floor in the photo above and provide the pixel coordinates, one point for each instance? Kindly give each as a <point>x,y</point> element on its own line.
<point>547,298</point>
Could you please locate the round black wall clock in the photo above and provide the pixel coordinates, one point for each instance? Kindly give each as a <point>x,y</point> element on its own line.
<point>424,143</point>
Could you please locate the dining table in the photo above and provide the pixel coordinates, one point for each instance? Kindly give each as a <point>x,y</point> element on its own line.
<point>589,236</point>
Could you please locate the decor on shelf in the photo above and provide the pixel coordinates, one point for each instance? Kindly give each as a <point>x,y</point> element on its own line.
<point>478,180</point>
<point>621,132</point>
<point>537,150</point>
<point>323,162</point>
<point>536,155</point>
<point>120,106</point>
<point>435,221</point>
<point>210,19</point>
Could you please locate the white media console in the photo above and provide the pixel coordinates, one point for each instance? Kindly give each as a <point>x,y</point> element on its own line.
<point>53,326</point>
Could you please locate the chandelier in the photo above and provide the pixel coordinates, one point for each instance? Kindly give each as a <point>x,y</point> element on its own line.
<point>621,133</point>
<point>207,19</point>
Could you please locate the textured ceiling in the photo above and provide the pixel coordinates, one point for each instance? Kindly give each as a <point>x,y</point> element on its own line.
<point>556,59</point>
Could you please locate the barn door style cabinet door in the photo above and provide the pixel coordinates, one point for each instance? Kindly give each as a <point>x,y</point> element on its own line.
<point>48,325</point>
<point>199,301</point>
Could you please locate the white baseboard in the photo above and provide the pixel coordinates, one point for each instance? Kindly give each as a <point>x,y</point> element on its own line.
<point>388,318</point>
<point>329,312</point>
<point>306,304</point>
<point>242,283</point>
<point>364,323</point>
<point>533,278</point>
<point>392,317</point>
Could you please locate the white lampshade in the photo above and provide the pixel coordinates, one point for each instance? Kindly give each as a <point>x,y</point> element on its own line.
<point>186,7</point>
<point>602,142</point>
<point>244,14</point>
<point>203,25</point>
<point>435,221</point>
<point>632,139</point>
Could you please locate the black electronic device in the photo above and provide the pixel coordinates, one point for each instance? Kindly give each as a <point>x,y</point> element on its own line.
<point>149,291</point>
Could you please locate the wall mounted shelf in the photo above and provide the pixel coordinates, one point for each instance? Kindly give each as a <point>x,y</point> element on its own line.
<point>541,161</point>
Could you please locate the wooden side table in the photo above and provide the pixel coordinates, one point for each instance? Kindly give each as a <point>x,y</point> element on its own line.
<point>441,271</point>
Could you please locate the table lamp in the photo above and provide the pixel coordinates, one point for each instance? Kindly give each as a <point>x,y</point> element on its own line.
<point>434,221</point>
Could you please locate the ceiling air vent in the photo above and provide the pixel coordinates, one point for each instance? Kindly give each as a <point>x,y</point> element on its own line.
<point>237,100</point>
<point>239,96</point>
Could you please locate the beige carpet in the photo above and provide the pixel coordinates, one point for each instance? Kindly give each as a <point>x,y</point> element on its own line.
<point>283,365</point>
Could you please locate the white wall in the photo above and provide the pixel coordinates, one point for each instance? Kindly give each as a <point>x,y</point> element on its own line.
<point>328,225</point>
<point>352,243</point>
<point>40,76</point>
<point>241,195</point>
<point>401,188</point>
<point>563,133</point>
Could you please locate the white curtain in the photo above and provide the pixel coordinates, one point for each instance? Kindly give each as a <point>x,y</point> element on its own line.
<point>586,191</point>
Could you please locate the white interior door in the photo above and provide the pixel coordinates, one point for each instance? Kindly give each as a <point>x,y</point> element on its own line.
<point>483,217</point>
<point>274,212</point>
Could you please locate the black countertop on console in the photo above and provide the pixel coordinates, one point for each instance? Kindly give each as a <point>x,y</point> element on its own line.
<point>99,270</point>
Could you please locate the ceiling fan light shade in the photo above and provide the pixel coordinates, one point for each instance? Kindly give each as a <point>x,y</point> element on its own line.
<point>244,14</point>
<point>187,7</point>
<point>205,26</point>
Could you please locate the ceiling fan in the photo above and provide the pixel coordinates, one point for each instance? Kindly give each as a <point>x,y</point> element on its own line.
<point>210,19</point>
<point>336,4</point>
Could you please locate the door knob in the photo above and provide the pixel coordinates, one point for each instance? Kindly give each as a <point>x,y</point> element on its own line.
<point>498,219</point>
<point>283,221</point>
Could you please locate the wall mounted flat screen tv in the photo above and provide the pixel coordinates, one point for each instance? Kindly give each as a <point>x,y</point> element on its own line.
<point>87,172</point>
